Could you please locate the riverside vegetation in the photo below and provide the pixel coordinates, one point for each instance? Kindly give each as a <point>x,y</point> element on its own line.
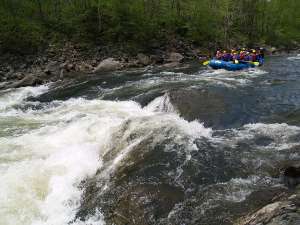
<point>58,37</point>
<point>27,25</point>
<point>158,145</point>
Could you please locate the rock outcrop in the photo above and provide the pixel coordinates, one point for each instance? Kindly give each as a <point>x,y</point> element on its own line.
<point>193,104</point>
<point>143,59</point>
<point>175,57</point>
<point>28,80</point>
<point>285,212</point>
<point>109,64</point>
<point>291,176</point>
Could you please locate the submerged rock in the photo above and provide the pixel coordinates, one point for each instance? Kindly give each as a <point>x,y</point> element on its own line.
<point>194,104</point>
<point>140,190</point>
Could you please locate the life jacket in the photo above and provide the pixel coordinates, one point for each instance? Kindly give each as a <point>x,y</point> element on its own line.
<point>247,58</point>
<point>253,57</point>
<point>226,57</point>
<point>242,56</point>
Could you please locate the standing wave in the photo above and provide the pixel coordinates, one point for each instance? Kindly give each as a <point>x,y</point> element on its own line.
<point>42,169</point>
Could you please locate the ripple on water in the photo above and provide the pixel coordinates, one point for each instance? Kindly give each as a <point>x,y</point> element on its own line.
<point>49,152</point>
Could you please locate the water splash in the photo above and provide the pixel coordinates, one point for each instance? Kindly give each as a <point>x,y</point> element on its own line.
<point>42,168</point>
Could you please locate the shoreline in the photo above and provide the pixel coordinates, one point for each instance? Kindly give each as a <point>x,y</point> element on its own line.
<point>56,64</point>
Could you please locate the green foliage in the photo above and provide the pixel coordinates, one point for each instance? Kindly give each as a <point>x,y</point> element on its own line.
<point>28,24</point>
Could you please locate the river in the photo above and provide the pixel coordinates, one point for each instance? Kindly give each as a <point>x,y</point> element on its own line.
<point>150,146</point>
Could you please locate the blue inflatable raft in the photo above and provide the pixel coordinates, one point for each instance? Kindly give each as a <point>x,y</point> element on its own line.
<point>231,66</point>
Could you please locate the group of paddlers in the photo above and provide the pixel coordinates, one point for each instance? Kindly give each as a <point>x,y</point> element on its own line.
<point>236,55</point>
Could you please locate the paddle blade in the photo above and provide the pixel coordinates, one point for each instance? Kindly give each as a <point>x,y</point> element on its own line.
<point>205,63</point>
<point>256,63</point>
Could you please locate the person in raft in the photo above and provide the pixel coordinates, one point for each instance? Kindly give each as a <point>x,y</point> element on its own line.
<point>243,55</point>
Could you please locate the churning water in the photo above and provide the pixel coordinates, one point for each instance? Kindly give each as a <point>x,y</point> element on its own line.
<point>201,140</point>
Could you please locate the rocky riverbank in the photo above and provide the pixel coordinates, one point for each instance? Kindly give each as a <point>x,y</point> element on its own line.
<point>68,61</point>
<point>61,63</point>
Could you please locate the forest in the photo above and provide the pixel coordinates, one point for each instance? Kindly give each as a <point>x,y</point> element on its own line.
<point>29,25</point>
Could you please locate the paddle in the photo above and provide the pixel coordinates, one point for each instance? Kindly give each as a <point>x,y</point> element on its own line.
<point>254,63</point>
<point>205,63</point>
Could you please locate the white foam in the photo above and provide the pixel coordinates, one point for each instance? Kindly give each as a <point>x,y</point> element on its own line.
<point>40,170</point>
<point>279,133</point>
<point>230,79</point>
<point>294,58</point>
<point>96,219</point>
<point>161,104</point>
<point>11,97</point>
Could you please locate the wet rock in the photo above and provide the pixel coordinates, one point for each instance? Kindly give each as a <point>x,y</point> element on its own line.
<point>285,212</point>
<point>20,76</point>
<point>70,66</point>
<point>136,205</point>
<point>157,59</point>
<point>175,57</point>
<point>52,67</point>
<point>209,206</point>
<point>28,80</point>
<point>94,63</point>
<point>132,63</point>
<point>144,59</point>
<point>85,67</point>
<point>10,72</point>
<point>141,190</point>
<point>291,176</point>
<point>109,64</point>
<point>193,104</point>
<point>171,65</point>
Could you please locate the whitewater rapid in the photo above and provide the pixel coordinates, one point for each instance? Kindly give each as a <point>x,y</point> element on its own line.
<point>48,150</point>
<point>59,145</point>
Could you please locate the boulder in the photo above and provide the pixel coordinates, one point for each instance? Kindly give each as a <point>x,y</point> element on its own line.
<point>109,64</point>
<point>170,65</point>
<point>175,57</point>
<point>70,66</point>
<point>291,176</point>
<point>193,105</point>
<point>133,63</point>
<point>10,73</point>
<point>52,67</point>
<point>143,59</point>
<point>157,59</point>
<point>285,212</point>
<point>29,80</point>
<point>86,67</point>
<point>20,76</point>
<point>67,66</point>
<point>94,62</point>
